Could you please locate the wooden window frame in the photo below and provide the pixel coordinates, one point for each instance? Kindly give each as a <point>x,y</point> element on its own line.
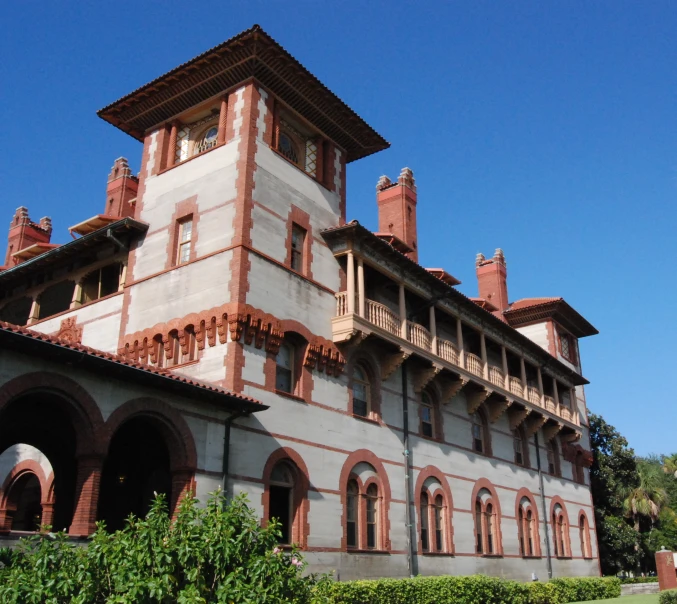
<point>180,225</point>
<point>367,386</point>
<point>298,254</point>
<point>427,402</point>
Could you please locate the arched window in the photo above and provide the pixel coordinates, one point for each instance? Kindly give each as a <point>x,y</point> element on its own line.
<point>427,416</point>
<point>438,511</point>
<point>372,516</point>
<point>288,148</point>
<point>281,502</point>
<point>553,458</point>
<point>527,528</point>
<point>361,393</point>
<point>352,503</point>
<point>560,532</point>
<point>518,447</point>
<point>206,140</point>
<point>479,440</point>
<point>487,531</point>
<point>578,470</point>
<point>425,544</point>
<point>584,535</point>
<point>285,372</point>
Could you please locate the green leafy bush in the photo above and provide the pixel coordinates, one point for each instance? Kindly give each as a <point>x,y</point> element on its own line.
<point>218,553</point>
<point>633,580</point>
<point>668,597</point>
<point>477,589</point>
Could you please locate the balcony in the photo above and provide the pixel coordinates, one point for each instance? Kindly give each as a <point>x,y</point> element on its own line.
<point>412,337</point>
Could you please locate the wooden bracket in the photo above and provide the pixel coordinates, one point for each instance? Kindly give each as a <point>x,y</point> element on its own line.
<point>392,362</point>
<point>517,416</point>
<point>450,388</point>
<point>423,377</point>
<point>551,430</point>
<point>476,398</point>
<point>534,424</point>
<point>497,407</point>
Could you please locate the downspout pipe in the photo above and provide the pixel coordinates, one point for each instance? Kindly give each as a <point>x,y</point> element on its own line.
<point>548,555</point>
<point>407,470</point>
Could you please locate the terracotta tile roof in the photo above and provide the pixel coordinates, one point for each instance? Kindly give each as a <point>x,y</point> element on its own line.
<point>529,310</point>
<point>165,375</point>
<point>529,302</point>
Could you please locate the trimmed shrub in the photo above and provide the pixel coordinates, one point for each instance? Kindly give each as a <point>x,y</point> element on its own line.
<point>633,580</point>
<point>668,597</point>
<point>476,589</point>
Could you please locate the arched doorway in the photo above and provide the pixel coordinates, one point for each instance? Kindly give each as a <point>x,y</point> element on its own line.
<point>137,467</point>
<point>24,501</point>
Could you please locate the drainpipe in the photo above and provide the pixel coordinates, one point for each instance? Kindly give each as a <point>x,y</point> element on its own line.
<point>114,239</point>
<point>226,449</point>
<point>407,470</point>
<point>543,509</point>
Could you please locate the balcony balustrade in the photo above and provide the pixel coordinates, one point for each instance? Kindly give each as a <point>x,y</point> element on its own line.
<point>389,321</point>
<point>496,376</point>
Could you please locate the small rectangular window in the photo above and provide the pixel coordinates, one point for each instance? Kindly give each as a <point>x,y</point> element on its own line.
<point>426,421</point>
<point>298,237</point>
<point>184,241</point>
<point>566,346</point>
<point>284,373</point>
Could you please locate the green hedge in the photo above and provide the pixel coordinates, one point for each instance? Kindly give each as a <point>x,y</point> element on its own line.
<point>477,589</point>
<point>668,597</point>
<point>633,580</point>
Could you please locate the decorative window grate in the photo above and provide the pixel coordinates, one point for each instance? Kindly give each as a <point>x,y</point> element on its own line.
<point>311,158</point>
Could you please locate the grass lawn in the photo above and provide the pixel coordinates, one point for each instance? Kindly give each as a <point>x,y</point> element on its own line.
<point>643,599</point>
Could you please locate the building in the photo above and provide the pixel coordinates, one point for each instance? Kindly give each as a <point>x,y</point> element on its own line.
<point>221,321</point>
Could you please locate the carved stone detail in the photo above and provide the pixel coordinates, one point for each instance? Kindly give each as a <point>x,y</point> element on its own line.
<point>450,388</point>
<point>534,424</point>
<point>497,407</point>
<point>423,377</point>
<point>551,430</point>
<point>69,331</point>
<point>517,415</point>
<point>476,398</point>
<point>392,362</point>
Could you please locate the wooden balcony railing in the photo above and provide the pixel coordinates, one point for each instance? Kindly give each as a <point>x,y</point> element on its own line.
<point>533,395</point>
<point>447,350</point>
<point>383,317</point>
<point>418,335</point>
<point>516,386</point>
<point>473,364</point>
<point>496,376</point>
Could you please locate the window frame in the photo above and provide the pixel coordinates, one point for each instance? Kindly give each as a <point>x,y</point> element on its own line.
<point>551,448</point>
<point>366,383</point>
<point>478,422</point>
<point>297,259</point>
<point>180,243</point>
<point>584,535</point>
<point>427,402</point>
<point>570,354</point>
<point>353,496</point>
<point>292,369</point>
<point>488,541</point>
<point>560,532</point>
<point>372,500</point>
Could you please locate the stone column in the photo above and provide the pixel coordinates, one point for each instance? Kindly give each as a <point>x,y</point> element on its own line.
<point>433,329</point>
<point>35,310</point>
<point>483,354</point>
<point>540,385</point>
<point>360,288</point>
<point>47,513</point>
<point>350,272</point>
<point>403,312</point>
<point>223,112</point>
<point>523,376</point>
<point>504,362</point>
<point>76,302</point>
<point>87,484</point>
<point>171,149</point>
<point>182,484</point>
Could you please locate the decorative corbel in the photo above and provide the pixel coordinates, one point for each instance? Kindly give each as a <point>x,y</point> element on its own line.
<point>392,362</point>
<point>534,424</point>
<point>221,319</point>
<point>200,335</point>
<point>252,326</point>
<point>450,388</point>
<point>517,416</point>
<point>423,377</point>
<point>571,437</point>
<point>274,340</point>
<point>313,352</point>
<point>236,323</point>
<point>476,398</point>
<point>497,407</point>
<point>551,430</point>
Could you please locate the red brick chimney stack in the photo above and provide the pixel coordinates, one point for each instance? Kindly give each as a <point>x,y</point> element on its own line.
<point>397,209</point>
<point>121,189</point>
<point>492,279</point>
<point>24,233</point>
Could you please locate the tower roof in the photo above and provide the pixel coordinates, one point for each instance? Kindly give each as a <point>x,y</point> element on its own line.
<point>250,54</point>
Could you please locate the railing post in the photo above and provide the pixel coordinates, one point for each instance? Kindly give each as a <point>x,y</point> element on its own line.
<point>360,287</point>
<point>574,405</point>
<point>540,386</point>
<point>459,338</point>
<point>403,312</point>
<point>350,272</point>
<point>504,362</point>
<point>433,330</point>
<point>171,151</point>
<point>35,310</point>
<point>76,302</point>
<point>555,396</point>
<point>523,377</point>
<point>483,354</point>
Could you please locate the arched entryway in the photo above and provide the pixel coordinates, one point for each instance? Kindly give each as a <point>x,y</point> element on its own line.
<point>150,450</point>
<point>24,502</point>
<point>55,415</point>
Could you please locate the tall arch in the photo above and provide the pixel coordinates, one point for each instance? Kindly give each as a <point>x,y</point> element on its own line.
<point>559,520</point>
<point>485,486</point>
<point>427,473</point>
<point>9,493</point>
<point>523,494</point>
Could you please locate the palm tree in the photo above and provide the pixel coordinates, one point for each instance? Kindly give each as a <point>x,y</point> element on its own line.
<point>648,498</point>
<point>670,464</point>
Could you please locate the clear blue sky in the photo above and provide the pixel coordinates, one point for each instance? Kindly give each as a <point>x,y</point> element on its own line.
<point>546,128</point>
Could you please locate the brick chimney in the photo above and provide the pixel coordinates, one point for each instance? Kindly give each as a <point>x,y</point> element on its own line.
<point>397,209</point>
<point>24,233</point>
<point>492,279</point>
<point>121,189</point>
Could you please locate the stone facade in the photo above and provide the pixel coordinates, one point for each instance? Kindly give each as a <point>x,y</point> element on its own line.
<point>389,400</point>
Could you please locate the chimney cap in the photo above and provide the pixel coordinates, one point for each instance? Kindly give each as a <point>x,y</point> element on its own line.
<point>383,183</point>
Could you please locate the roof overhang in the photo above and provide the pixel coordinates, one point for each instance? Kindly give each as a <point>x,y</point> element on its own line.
<point>26,341</point>
<point>339,239</point>
<point>557,310</point>
<point>92,224</point>
<point>32,251</point>
<point>250,54</point>
<point>443,275</point>
<point>124,227</point>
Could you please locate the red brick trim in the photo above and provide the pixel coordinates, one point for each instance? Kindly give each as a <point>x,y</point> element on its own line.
<point>521,494</point>
<point>586,546</point>
<point>169,421</point>
<point>300,218</point>
<point>300,527</point>
<point>423,475</point>
<point>186,209</point>
<point>359,456</point>
<point>480,484</point>
<point>77,402</point>
<point>8,496</point>
<point>557,500</point>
